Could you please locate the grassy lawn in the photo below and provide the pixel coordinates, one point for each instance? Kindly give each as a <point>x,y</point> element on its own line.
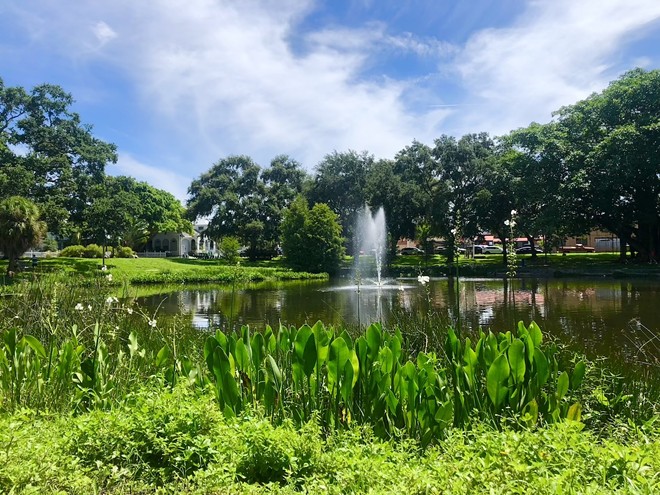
<point>164,270</point>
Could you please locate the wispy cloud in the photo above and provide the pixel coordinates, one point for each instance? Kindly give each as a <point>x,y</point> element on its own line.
<point>217,77</point>
<point>555,54</point>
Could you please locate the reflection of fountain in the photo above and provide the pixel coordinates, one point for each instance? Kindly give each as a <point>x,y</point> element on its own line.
<point>371,238</point>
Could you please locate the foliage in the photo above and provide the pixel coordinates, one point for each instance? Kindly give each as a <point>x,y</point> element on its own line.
<point>20,228</point>
<point>75,251</point>
<point>101,451</point>
<point>311,239</point>
<point>340,182</point>
<point>59,159</point>
<point>245,202</point>
<point>229,247</point>
<point>125,211</point>
<point>618,130</point>
<point>123,252</point>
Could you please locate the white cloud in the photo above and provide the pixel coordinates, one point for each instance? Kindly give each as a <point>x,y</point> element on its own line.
<point>103,33</point>
<point>219,77</point>
<point>555,54</point>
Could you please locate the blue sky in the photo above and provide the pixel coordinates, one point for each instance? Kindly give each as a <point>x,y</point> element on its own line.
<point>180,84</point>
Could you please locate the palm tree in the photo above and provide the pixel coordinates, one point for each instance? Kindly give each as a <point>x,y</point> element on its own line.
<point>20,228</point>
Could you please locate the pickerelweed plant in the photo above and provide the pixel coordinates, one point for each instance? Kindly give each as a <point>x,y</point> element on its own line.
<point>96,352</point>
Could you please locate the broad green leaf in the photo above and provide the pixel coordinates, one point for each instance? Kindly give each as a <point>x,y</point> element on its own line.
<point>562,385</point>
<point>347,380</point>
<point>242,356</point>
<point>374,339</point>
<point>163,356</point>
<point>310,356</point>
<point>516,354</point>
<point>132,344</point>
<point>496,380</point>
<point>541,367</point>
<point>535,333</point>
<point>386,359</point>
<point>300,342</point>
<point>578,375</point>
<point>574,412</point>
<point>339,354</point>
<point>277,374</point>
<point>36,346</point>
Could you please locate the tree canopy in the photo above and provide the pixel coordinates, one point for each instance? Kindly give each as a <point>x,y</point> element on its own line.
<point>48,155</point>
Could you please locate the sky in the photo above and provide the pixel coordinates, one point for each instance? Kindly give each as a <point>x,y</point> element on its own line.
<point>179,84</point>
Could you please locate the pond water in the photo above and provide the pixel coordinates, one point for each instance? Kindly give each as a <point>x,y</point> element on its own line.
<point>604,317</point>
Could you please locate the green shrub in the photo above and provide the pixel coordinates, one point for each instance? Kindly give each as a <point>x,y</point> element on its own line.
<point>75,251</point>
<point>124,252</point>
<point>229,247</point>
<point>277,454</point>
<point>161,437</point>
<point>93,251</point>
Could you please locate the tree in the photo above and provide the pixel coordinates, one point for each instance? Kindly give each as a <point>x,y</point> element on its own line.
<point>283,182</point>
<point>311,239</point>
<point>534,158</point>
<point>613,158</point>
<point>340,182</point>
<point>124,209</point>
<point>461,166</point>
<point>386,188</point>
<point>48,155</point>
<point>232,196</point>
<point>20,228</point>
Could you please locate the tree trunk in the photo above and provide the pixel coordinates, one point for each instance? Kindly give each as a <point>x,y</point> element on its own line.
<point>530,239</point>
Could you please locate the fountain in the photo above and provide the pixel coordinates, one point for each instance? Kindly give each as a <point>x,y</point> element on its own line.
<point>371,240</point>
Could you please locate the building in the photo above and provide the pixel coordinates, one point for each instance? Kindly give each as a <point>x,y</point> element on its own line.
<point>182,244</point>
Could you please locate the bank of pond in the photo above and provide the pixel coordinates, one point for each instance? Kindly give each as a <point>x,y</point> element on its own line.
<point>100,394</point>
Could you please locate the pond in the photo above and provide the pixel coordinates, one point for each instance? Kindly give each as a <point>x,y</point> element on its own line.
<point>619,319</point>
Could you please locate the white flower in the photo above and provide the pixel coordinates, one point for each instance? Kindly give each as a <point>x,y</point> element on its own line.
<point>514,213</point>
<point>152,323</point>
<point>513,223</point>
<point>78,307</point>
<point>89,307</point>
<point>129,311</point>
<point>453,231</point>
<point>104,268</point>
<point>109,300</point>
<point>423,279</point>
<point>109,277</point>
<point>506,222</point>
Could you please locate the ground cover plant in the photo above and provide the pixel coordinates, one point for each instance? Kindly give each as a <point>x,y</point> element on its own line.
<point>97,395</point>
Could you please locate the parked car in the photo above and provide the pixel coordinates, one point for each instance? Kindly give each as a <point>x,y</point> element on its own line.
<point>528,250</point>
<point>491,250</point>
<point>578,248</point>
<point>408,251</point>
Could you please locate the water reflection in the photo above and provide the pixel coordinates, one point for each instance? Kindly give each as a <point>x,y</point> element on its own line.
<point>603,317</point>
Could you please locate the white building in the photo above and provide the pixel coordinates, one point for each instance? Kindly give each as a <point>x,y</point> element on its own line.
<point>183,244</point>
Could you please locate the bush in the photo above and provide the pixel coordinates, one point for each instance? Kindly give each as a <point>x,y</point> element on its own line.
<point>229,247</point>
<point>160,438</point>
<point>311,239</point>
<point>124,252</point>
<point>92,251</point>
<point>75,251</point>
